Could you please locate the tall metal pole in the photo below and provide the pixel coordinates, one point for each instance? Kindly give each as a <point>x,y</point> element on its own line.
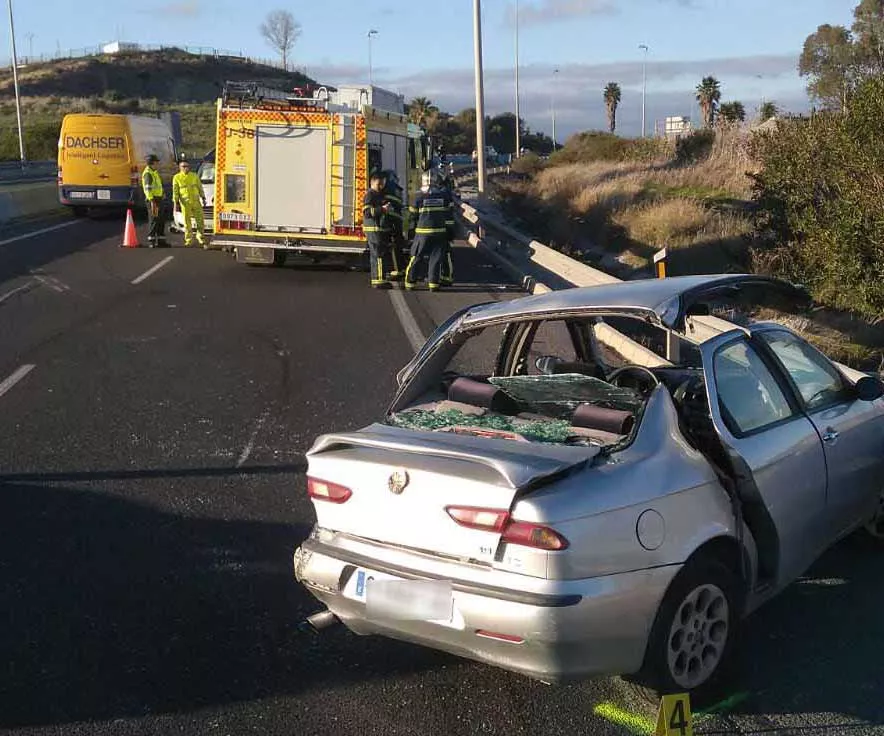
<point>555,144</point>
<point>518,118</point>
<point>480,93</point>
<point>644,85</point>
<point>371,34</point>
<point>21,140</point>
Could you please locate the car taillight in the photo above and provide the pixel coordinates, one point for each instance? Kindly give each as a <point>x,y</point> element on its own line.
<point>523,533</point>
<point>322,490</point>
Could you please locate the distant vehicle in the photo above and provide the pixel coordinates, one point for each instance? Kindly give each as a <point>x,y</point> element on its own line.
<point>526,505</point>
<point>292,171</point>
<point>101,157</point>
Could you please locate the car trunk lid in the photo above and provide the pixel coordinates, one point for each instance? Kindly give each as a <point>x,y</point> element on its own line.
<point>402,482</point>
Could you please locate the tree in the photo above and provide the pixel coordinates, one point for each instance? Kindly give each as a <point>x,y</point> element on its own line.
<point>281,30</point>
<point>420,110</point>
<point>868,33</point>
<point>829,60</point>
<point>733,112</point>
<point>767,111</point>
<point>708,95</point>
<point>612,97</point>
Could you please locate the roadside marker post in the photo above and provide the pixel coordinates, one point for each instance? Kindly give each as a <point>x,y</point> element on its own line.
<point>660,263</point>
<point>674,717</point>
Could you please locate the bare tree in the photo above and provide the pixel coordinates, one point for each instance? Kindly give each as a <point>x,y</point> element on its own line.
<point>281,30</point>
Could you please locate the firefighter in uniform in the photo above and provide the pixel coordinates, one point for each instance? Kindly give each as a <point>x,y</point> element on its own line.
<point>393,220</point>
<point>187,193</point>
<point>433,231</point>
<point>152,184</point>
<point>377,230</point>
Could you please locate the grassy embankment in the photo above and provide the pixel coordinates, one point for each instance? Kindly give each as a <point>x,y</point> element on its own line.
<point>146,83</point>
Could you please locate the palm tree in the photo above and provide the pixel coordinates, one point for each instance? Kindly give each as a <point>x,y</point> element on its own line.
<point>768,110</point>
<point>732,112</point>
<point>420,110</point>
<point>612,99</point>
<point>708,95</point>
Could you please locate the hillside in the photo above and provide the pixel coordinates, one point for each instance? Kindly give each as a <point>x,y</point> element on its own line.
<point>144,82</point>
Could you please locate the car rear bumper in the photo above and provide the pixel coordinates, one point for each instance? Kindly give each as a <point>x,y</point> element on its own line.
<point>554,630</point>
<point>95,196</point>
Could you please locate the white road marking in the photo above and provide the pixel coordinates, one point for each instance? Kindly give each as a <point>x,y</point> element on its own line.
<point>406,318</point>
<point>35,233</point>
<point>15,291</point>
<point>15,378</point>
<point>49,283</point>
<point>152,269</point>
<point>250,445</point>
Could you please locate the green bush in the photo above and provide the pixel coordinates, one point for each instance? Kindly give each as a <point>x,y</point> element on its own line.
<point>594,146</point>
<point>820,197</point>
<point>529,163</point>
<point>695,146</point>
<point>41,141</point>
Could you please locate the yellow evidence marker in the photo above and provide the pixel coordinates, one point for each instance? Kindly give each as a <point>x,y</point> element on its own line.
<point>674,717</point>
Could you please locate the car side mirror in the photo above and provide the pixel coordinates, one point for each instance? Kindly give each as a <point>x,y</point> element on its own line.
<point>869,388</point>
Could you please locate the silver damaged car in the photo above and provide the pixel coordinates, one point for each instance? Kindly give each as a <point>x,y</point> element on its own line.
<point>526,504</point>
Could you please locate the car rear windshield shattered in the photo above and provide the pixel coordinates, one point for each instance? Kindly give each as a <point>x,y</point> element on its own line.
<point>561,409</point>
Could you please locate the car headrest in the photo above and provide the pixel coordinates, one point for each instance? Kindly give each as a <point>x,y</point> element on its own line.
<point>615,421</point>
<point>477,393</point>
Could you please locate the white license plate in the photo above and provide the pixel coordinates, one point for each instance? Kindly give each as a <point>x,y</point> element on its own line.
<point>386,596</point>
<point>104,193</point>
<point>82,195</point>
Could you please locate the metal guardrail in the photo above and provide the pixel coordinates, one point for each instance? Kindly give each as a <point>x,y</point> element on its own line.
<point>519,255</point>
<point>12,172</point>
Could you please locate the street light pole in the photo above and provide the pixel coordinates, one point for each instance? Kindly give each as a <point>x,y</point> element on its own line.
<point>644,85</point>
<point>21,140</point>
<point>518,118</point>
<point>555,145</point>
<point>371,34</point>
<point>480,93</point>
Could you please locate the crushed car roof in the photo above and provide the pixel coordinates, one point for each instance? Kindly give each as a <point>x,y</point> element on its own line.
<point>665,300</point>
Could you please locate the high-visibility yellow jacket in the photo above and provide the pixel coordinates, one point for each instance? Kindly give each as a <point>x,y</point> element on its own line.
<point>152,183</point>
<point>186,188</point>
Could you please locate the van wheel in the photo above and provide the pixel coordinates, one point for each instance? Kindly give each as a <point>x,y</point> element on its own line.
<point>279,257</point>
<point>690,649</point>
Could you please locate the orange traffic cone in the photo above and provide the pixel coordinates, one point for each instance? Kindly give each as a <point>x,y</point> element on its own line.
<point>130,237</point>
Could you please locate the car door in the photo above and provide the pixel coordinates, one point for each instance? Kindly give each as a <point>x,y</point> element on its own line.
<point>780,454</point>
<point>851,430</point>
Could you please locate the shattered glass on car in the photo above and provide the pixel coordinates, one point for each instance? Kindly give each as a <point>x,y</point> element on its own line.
<point>559,395</point>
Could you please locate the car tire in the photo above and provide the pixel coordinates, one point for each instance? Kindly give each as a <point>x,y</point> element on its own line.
<point>692,642</point>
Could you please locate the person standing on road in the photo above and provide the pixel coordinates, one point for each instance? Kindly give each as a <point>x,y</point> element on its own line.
<point>188,195</point>
<point>392,219</point>
<point>433,231</point>
<point>152,184</point>
<point>377,230</point>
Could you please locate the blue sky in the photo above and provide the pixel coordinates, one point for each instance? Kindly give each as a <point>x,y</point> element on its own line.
<point>425,47</point>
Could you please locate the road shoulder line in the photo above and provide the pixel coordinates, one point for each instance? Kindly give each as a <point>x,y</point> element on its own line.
<point>409,324</point>
<point>41,231</point>
<point>15,377</point>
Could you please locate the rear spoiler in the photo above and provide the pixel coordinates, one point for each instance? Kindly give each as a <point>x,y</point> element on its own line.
<point>521,466</point>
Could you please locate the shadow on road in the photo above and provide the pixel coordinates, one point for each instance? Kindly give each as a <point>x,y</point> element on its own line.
<point>115,609</point>
<point>30,254</point>
<point>817,647</point>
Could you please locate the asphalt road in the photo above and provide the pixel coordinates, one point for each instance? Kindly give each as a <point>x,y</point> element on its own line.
<point>152,493</point>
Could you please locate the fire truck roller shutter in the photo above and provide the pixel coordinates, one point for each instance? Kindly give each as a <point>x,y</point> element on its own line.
<point>292,177</point>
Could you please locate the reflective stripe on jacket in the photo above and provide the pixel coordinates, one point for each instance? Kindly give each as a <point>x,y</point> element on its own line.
<point>372,214</point>
<point>152,183</point>
<point>434,212</point>
<point>186,187</point>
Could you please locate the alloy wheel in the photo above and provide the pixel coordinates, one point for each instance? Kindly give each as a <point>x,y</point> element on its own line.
<point>698,636</point>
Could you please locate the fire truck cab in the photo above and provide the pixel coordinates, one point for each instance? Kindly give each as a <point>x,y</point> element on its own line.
<point>291,171</point>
